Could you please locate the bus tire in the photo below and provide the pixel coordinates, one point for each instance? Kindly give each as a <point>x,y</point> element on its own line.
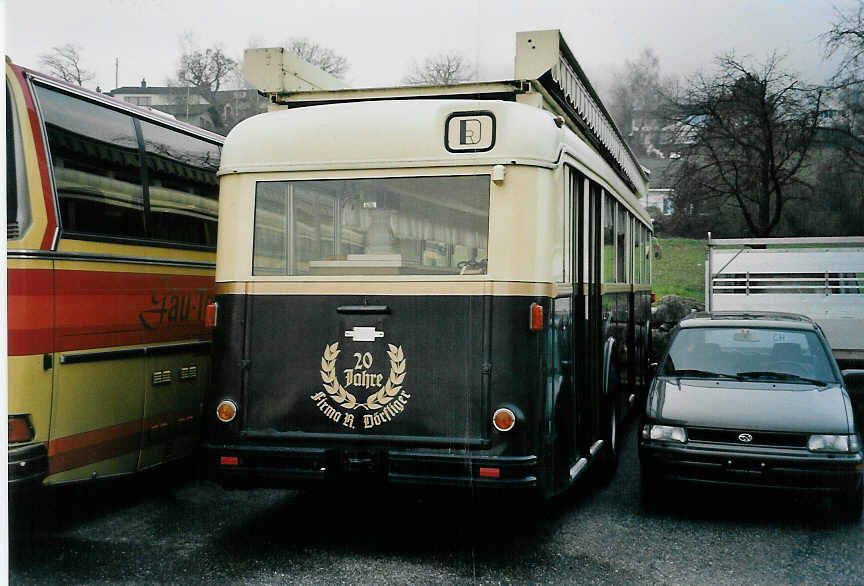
<point>607,465</point>
<point>563,446</point>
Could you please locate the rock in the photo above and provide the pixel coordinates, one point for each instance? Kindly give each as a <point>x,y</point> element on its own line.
<point>671,308</point>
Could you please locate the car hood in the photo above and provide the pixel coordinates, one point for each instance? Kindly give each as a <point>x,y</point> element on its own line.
<point>748,405</point>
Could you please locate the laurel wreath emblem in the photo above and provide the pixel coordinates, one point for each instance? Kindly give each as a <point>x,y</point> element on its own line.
<point>331,383</point>
<point>393,385</point>
<point>378,400</point>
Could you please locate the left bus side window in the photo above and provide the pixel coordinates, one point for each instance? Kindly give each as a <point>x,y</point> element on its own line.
<point>17,201</point>
<point>97,168</point>
<point>181,176</point>
<point>608,238</point>
<point>621,226</point>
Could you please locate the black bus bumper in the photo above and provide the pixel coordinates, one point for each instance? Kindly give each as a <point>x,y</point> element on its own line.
<point>246,466</point>
<point>28,467</point>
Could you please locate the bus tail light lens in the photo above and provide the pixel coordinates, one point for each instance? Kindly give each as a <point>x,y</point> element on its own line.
<point>489,473</point>
<point>226,411</point>
<point>211,315</point>
<point>20,429</point>
<point>536,323</point>
<point>504,419</point>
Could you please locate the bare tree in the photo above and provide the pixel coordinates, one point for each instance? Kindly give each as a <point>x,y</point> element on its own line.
<point>319,55</point>
<point>445,68</point>
<point>205,69</point>
<point>64,61</point>
<point>202,73</point>
<point>745,136</point>
<point>637,99</point>
<point>846,39</point>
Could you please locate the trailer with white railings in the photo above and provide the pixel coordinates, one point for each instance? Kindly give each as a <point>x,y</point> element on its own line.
<point>822,278</point>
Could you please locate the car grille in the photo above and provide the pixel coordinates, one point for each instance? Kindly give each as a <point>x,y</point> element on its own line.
<point>760,438</point>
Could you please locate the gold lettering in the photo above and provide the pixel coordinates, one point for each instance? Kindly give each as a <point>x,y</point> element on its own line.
<point>331,413</point>
<point>348,421</point>
<point>318,395</point>
<point>367,421</point>
<point>349,373</point>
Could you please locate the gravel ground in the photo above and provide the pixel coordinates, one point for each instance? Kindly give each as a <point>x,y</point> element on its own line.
<point>186,531</point>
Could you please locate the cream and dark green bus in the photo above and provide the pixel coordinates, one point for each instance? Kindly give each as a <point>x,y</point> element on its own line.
<point>429,286</point>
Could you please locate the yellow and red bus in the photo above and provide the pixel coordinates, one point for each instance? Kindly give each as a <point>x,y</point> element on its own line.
<point>111,234</point>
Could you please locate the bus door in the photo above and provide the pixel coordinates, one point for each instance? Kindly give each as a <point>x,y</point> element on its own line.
<point>586,299</point>
<point>590,350</point>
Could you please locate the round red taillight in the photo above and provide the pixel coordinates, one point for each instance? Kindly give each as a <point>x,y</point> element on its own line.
<point>226,411</point>
<point>504,419</point>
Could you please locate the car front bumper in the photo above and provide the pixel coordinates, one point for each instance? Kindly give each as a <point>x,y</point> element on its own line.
<point>780,468</point>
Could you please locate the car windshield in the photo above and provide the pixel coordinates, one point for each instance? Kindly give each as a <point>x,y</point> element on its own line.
<point>769,354</point>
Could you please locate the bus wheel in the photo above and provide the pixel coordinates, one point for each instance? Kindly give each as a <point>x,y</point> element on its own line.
<point>563,447</point>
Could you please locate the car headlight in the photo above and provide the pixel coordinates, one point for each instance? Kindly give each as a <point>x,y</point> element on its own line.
<point>664,432</point>
<point>833,443</point>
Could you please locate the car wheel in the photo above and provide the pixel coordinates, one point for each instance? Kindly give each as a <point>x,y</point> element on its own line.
<point>849,506</point>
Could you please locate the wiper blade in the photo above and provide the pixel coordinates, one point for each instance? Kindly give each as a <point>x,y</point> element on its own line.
<point>782,376</point>
<point>694,372</point>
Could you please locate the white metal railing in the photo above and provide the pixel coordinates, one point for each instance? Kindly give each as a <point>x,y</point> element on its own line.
<point>798,283</point>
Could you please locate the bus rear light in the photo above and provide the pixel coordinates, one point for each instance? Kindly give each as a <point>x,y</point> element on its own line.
<point>504,419</point>
<point>226,411</point>
<point>20,429</point>
<point>211,315</point>
<point>490,473</point>
<point>229,460</point>
<point>536,321</point>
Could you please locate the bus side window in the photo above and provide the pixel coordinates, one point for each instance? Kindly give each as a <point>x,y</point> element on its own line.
<point>17,203</point>
<point>608,238</point>
<point>181,173</point>
<point>97,170</point>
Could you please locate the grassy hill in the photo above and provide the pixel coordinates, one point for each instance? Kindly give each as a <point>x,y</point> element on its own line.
<point>681,268</point>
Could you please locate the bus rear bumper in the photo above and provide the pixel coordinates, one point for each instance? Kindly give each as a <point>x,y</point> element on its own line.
<point>28,466</point>
<point>242,466</point>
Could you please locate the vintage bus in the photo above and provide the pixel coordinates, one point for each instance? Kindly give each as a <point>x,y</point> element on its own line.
<point>429,286</point>
<point>111,237</point>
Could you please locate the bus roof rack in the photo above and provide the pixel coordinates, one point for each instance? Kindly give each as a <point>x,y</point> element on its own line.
<point>547,76</point>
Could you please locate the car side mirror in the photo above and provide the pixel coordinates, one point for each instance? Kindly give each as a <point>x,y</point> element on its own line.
<point>854,377</point>
<point>652,370</point>
<point>854,381</point>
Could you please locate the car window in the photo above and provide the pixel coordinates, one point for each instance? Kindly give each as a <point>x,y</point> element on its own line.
<point>749,353</point>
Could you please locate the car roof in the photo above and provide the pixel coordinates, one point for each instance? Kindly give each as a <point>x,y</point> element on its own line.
<point>748,319</point>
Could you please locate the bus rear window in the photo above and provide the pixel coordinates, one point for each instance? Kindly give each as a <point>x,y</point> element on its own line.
<point>386,226</point>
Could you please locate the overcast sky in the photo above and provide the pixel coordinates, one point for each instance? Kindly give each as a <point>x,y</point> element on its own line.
<point>381,38</point>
